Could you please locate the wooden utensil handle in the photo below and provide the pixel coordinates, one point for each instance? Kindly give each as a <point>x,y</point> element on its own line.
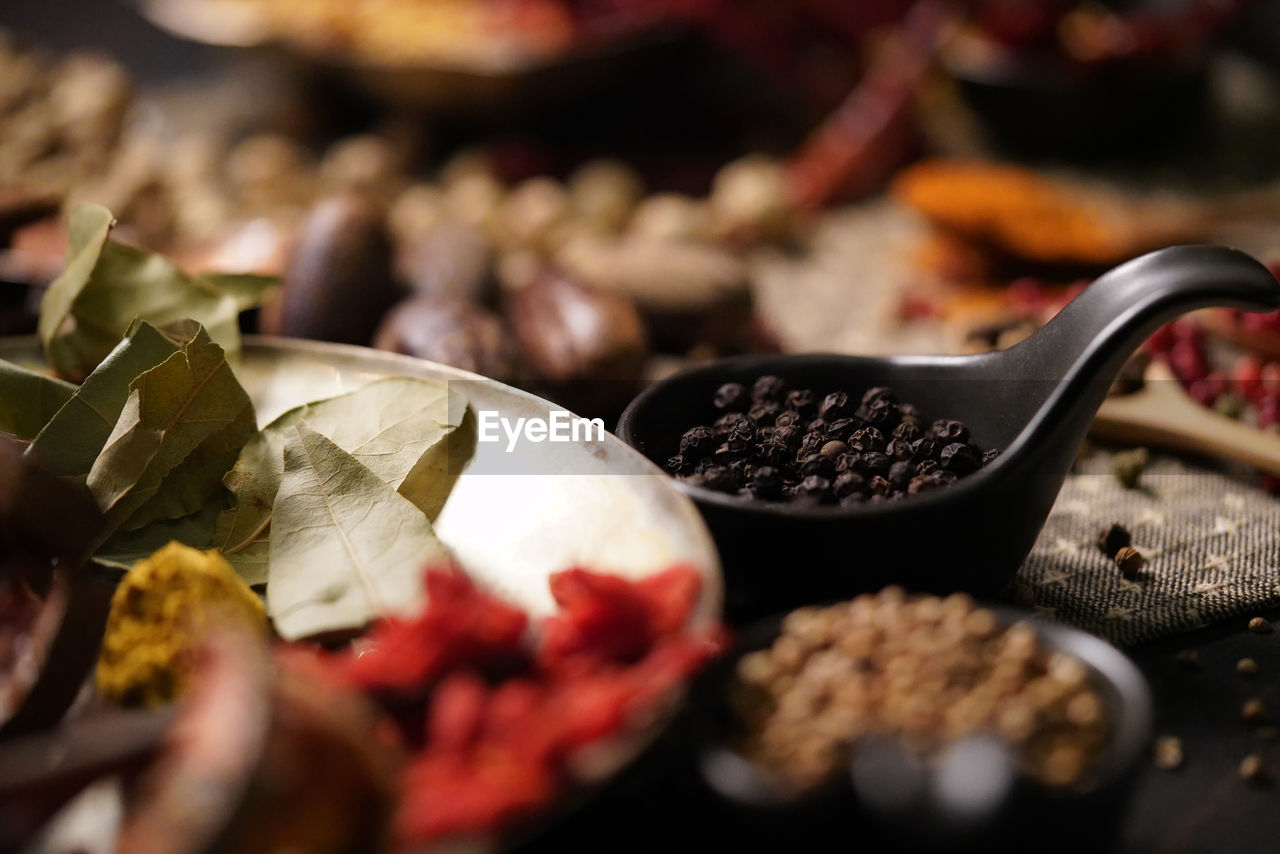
<point>1163,415</point>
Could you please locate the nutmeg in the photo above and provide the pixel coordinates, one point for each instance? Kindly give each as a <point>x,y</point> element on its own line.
<point>338,281</point>
<point>586,344</point>
<point>450,331</point>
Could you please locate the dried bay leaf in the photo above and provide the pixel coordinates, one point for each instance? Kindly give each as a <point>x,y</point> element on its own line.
<point>397,427</point>
<point>105,286</point>
<point>125,548</point>
<point>345,547</point>
<point>74,437</point>
<point>249,290</point>
<point>28,400</point>
<point>180,430</point>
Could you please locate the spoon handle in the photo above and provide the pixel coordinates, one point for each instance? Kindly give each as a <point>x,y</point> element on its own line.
<point>1162,414</point>
<point>1059,377</point>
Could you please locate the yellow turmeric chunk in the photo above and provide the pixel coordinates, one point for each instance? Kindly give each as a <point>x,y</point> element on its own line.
<point>159,614</point>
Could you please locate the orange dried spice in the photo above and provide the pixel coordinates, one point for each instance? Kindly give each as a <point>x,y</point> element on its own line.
<point>1015,209</point>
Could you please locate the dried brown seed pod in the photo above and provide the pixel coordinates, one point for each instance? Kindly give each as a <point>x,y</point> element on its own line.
<point>338,283</point>
<point>452,332</point>
<point>585,344</point>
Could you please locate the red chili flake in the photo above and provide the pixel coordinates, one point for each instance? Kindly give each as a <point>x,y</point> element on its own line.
<point>461,625</point>
<point>1246,377</point>
<point>446,794</point>
<point>457,712</point>
<point>610,618</point>
<point>496,740</point>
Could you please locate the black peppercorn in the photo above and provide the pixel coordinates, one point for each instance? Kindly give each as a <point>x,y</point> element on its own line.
<point>925,466</point>
<point>789,435</point>
<point>719,478</point>
<point>773,453</point>
<point>847,482</point>
<point>881,486</point>
<point>835,405</point>
<point>742,434</point>
<point>959,458</point>
<point>921,483</point>
<point>803,402</point>
<point>678,465</point>
<point>764,412</point>
<point>697,441</point>
<point>1113,538</point>
<point>875,463</point>
<point>811,443</point>
<point>947,432</point>
<point>849,462</point>
<point>879,393</point>
<point>817,425</point>
<point>842,428</point>
<point>813,488</point>
<point>818,464</point>
<point>731,397</point>
<point>990,454</point>
<point>879,412</point>
<point>908,430</point>
<point>898,449</point>
<point>726,422</point>
<point>924,449</point>
<point>766,482</point>
<point>867,439</point>
<point>852,499</point>
<point>768,389</point>
<point>900,475</point>
<point>786,418</point>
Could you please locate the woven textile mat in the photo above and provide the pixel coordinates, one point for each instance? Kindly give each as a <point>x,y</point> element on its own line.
<point>1211,540</point>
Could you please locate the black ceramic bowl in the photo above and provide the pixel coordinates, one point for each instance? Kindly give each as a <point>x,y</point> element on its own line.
<point>1044,105</point>
<point>1070,818</point>
<point>1034,402</point>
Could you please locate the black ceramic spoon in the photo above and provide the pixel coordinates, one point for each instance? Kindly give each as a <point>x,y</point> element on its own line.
<point>1034,402</point>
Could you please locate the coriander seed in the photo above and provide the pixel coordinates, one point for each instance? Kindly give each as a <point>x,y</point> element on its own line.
<point>1168,753</point>
<point>1254,711</point>
<point>1259,626</point>
<point>1130,561</point>
<point>1246,667</point>
<point>1251,768</point>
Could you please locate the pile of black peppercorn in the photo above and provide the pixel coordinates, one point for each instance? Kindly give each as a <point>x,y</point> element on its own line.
<point>778,444</point>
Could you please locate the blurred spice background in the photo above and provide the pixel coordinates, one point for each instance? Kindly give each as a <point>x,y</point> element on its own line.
<point>578,197</point>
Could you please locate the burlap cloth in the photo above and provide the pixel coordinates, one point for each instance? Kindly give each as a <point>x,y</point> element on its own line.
<point>1211,540</point>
